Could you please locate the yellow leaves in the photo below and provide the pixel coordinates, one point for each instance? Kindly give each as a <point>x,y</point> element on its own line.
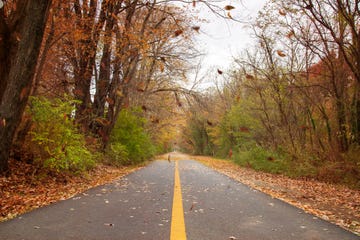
<point>280,53</point>
<point>178,102</point>
<point>229,7</point>
<point>119,93</point>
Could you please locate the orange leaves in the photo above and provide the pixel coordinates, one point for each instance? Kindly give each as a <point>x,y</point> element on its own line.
<point>282,12</point>
<point>196,28</point>
<point>244,129</point>
<point>78,92</point>
<point>248,76</point>
<point>280,53</point>
<point>102,121</point>
<point>309,6</point>
<point>110,101</point>
<point>23,191</point>
<point>290,34</point>
<point>162,67</point>
<point>229,7</point>
<point>140,87</point>
<point>3,122</point>
<point>331,202</point>
<point>178,32</point>
<point>24,93</point>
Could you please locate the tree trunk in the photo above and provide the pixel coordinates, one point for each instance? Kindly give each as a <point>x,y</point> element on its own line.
<point>21,70</point>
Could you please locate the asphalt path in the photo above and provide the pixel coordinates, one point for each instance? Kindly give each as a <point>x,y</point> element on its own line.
<point>139,206</point>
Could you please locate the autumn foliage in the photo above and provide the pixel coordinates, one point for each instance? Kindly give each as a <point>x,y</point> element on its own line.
<point>291,104</point>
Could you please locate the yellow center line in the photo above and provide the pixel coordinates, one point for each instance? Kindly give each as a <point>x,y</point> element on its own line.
<point>177,231</point>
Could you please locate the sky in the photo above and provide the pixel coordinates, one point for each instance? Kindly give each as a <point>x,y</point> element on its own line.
<point>222,39</point>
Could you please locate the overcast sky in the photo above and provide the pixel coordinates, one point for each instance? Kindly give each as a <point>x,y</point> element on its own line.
<point>223,39</point>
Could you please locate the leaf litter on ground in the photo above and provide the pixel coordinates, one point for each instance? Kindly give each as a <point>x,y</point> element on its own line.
<point>23,191</point>
<point>334,203</point>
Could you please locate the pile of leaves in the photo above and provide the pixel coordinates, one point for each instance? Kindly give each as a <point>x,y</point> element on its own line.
<point>26,189</point>
<point>334,203</point>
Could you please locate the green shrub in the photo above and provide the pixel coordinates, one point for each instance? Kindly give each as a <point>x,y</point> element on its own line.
<point>129,142</point>
<point>117,154</point>
<point>56,142</point>
<point>261,159</point>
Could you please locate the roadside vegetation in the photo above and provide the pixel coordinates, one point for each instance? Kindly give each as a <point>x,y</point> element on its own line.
<point>107,90</point>
<point>289,104</point>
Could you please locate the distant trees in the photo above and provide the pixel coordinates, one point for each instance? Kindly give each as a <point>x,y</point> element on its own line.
<point>295,93</point>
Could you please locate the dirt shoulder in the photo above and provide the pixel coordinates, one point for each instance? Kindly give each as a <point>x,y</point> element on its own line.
<point>25,190</point>
<point>337,204</point>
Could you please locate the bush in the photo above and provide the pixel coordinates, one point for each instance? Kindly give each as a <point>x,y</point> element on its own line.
<point>117,154</point>
<point>57,144</point>
<point>261,159</point>
<point>129,142</point>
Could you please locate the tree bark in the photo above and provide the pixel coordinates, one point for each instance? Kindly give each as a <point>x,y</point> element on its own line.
<point>21,69</point>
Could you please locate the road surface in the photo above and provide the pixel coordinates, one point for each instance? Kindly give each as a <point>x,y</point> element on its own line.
<point>208,205</point>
